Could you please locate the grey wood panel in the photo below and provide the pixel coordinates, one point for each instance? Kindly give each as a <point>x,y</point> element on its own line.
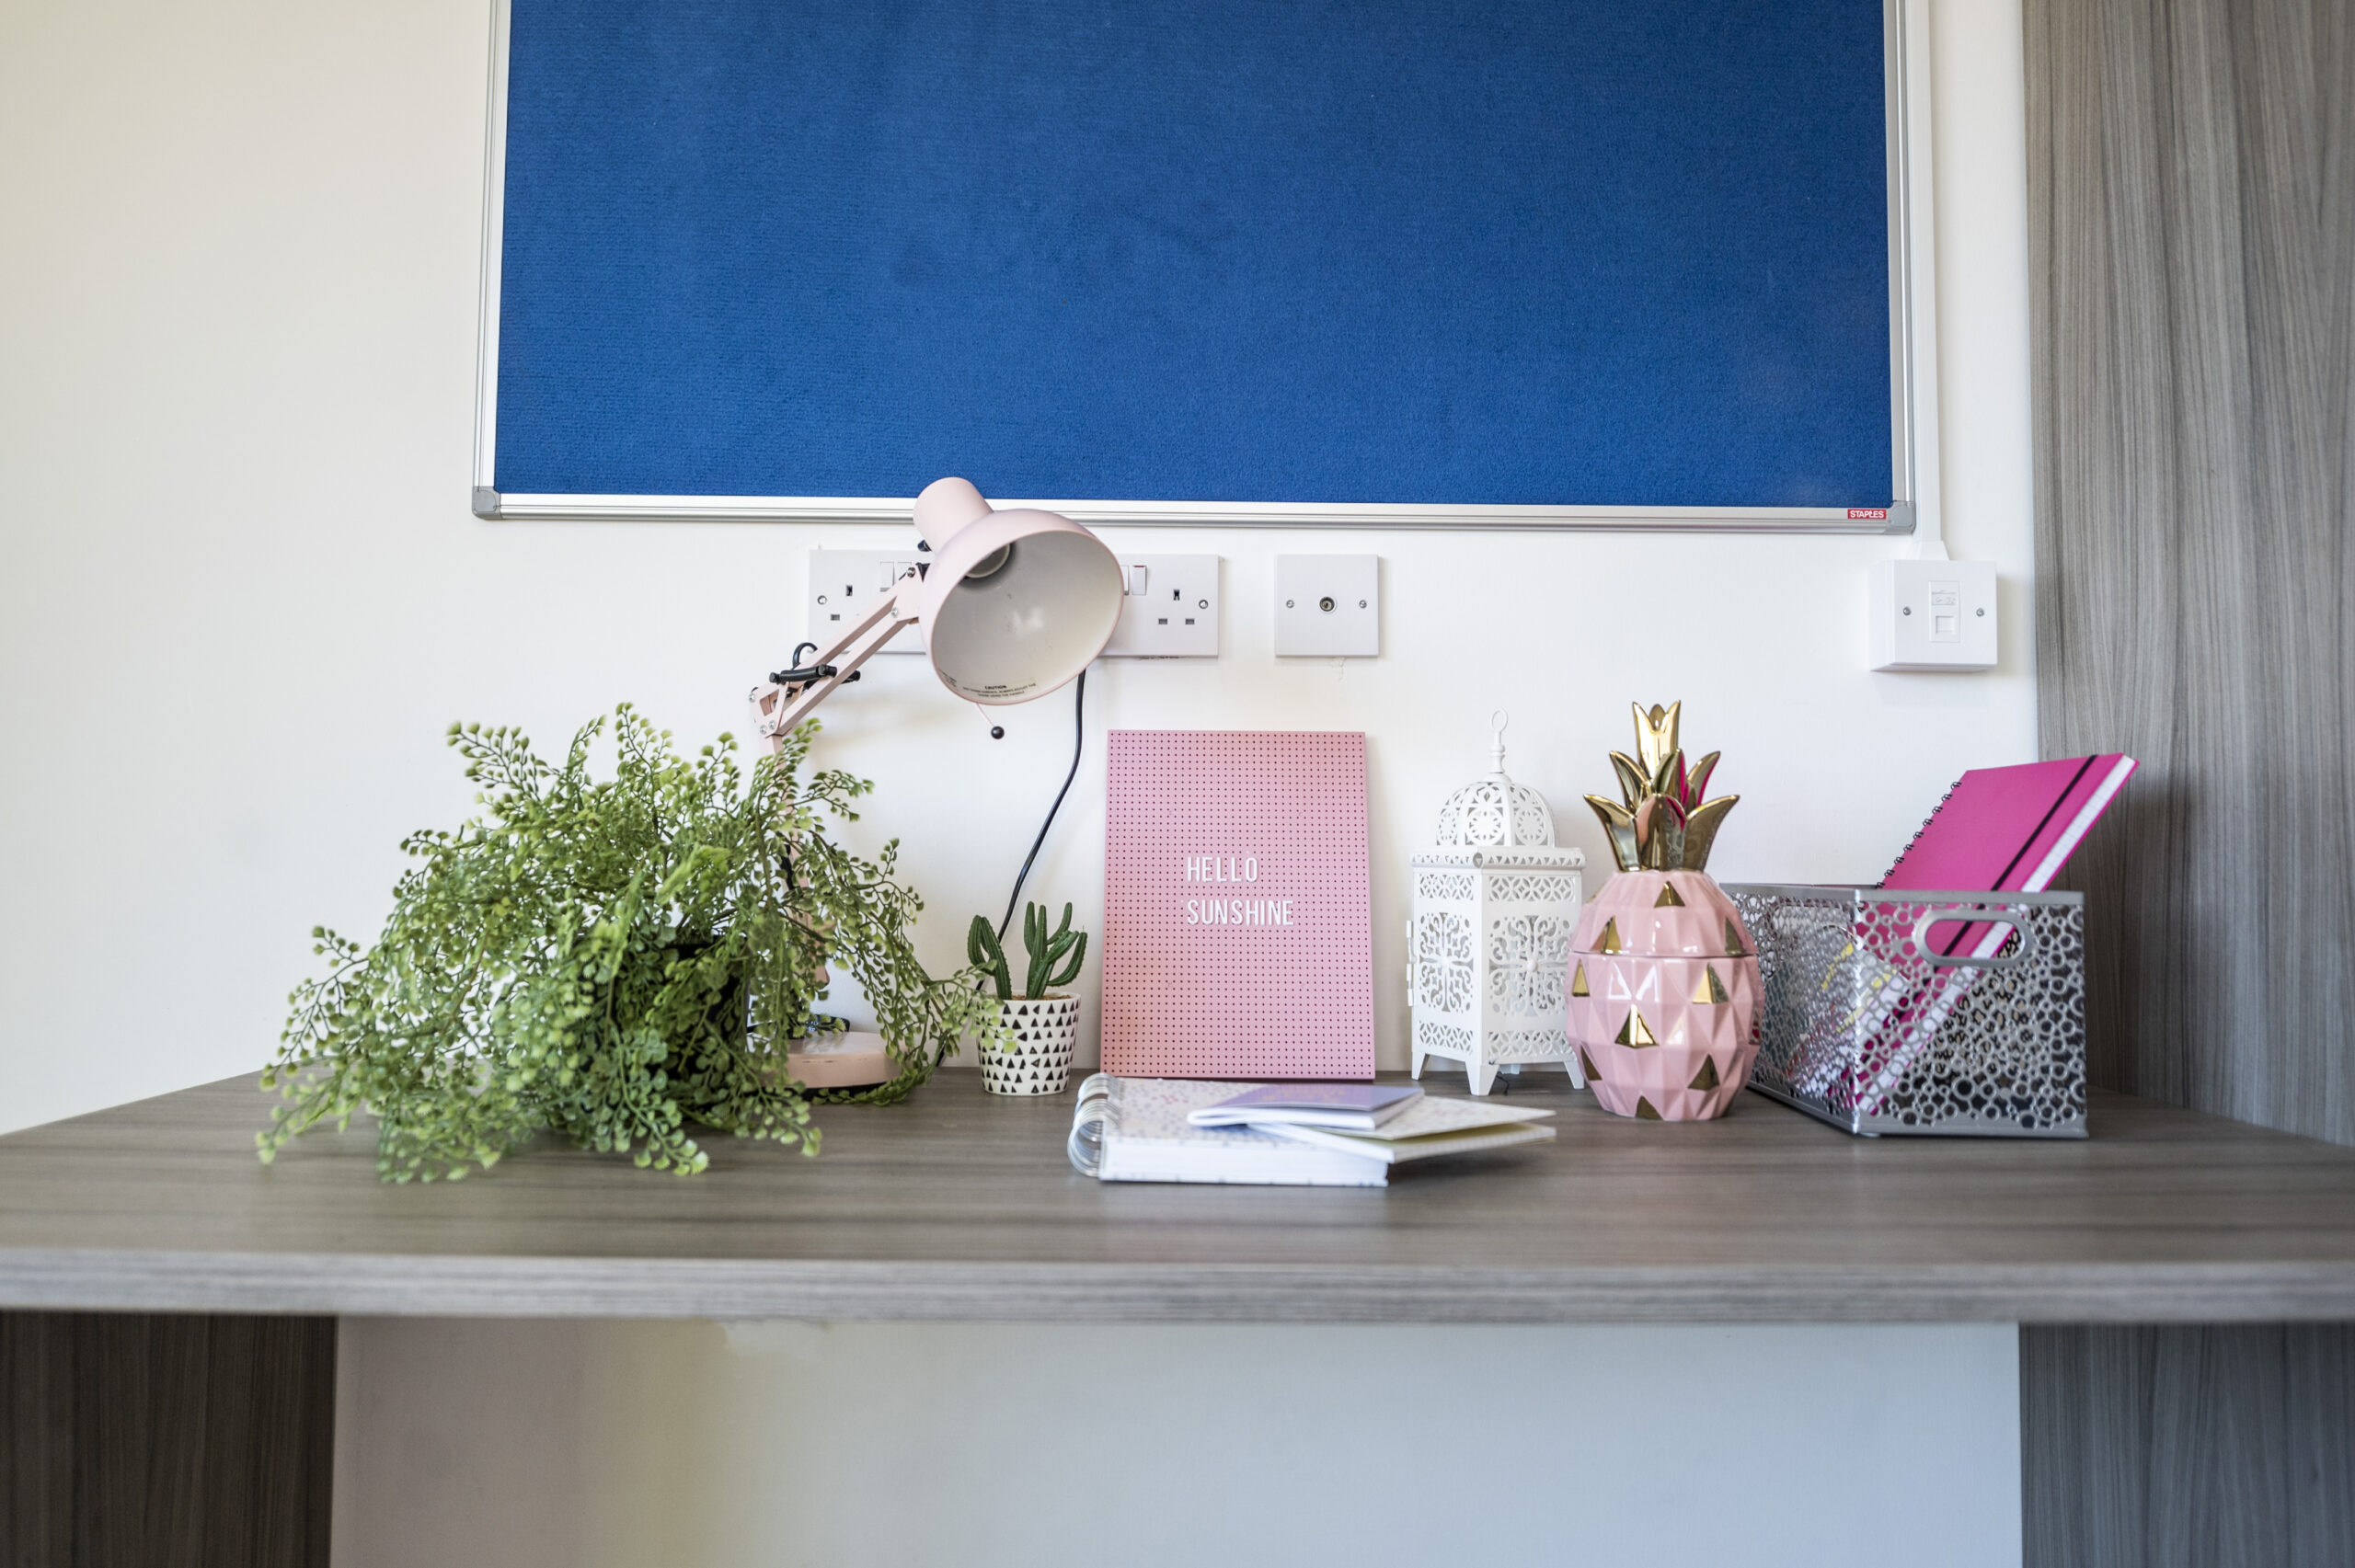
<point>2191,173</point>
<point>960,1205</point>
<point>128,1441</point>
<point>2192,238</point>
<point>2228,1447</point>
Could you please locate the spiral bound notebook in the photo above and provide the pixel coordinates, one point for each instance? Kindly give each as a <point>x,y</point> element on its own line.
<point>1140,1130</point>
<point>1134,1129</point>
<point>1998,830</point>
<point>2007,829</point>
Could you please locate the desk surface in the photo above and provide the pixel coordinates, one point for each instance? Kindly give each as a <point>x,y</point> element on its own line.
<point>958,1205</point>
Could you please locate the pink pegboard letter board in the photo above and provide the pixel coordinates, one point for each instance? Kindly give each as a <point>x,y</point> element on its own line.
<point>1237,923</point>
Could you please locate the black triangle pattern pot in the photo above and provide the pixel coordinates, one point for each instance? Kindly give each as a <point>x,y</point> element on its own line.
<point>1044,1029</point>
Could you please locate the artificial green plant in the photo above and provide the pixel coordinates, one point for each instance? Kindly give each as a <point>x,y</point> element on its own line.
<point>613,961</point>
<point>1046,948</point>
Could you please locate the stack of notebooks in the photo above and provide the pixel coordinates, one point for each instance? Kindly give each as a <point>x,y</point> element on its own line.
<point>1337,1135</point>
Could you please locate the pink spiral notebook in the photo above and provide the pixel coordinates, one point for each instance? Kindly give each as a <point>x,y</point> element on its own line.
<point>2008,829</point>
<point>1999,830</point>
<point>1238,933</point>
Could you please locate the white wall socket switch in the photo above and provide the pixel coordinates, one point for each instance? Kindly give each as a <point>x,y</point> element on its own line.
<point>1170,609</point>
<point>1934,614</point>
<point>1329,605</point>
<point>846,585</point>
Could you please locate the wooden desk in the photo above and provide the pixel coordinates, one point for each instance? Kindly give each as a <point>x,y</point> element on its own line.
<point>960,1206</point>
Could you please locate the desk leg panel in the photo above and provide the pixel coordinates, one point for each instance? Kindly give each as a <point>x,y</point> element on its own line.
<point>134,1438</point>
<point>2230,1446</point>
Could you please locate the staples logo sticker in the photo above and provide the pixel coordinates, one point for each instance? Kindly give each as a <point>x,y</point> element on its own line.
<point>1875,514</point>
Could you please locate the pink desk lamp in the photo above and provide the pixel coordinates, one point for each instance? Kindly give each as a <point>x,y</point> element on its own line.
<point>1015,604</point>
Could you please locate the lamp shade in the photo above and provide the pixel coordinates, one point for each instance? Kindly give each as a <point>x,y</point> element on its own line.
<point>1014,604</point>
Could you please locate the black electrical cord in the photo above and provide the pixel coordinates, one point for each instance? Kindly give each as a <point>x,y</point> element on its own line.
<point>1078,737</point>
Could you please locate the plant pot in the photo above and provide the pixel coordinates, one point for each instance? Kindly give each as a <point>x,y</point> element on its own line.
<point>1045,1029</point>
<point>1664,996</point>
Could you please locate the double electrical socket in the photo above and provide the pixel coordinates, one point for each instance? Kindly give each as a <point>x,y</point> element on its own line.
<point>1170,607</point>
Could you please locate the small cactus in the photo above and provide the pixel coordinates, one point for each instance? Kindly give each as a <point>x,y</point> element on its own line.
<point>1046,949</point>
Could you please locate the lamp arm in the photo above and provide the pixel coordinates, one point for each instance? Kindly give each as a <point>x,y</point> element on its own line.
<point>779,708</point>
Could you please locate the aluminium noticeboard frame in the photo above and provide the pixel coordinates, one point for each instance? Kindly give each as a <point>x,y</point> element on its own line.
<point>1913,364</point>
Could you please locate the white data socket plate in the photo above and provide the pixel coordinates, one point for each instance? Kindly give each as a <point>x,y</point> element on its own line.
<point>1329,606</point>
<point>1171,607</point>
<point>846,585</point>
<point>1933,615</point>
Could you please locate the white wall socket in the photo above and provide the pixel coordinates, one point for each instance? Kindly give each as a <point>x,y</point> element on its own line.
<point>1934,614</point>
<point>1170,609</point>
<point>1329,606</point>
<point>845,585</point>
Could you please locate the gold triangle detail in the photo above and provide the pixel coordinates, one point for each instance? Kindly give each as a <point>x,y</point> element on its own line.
<point>1707,1077</point>
<point>1644,1112</point>
<point>1586,1062</point>
<point>1578,981</point>
<point>1611,943</point>
<point>1667,898</point>
<point>1710,990</point>
<point>1734,949</point>
<point>1634,1032</point>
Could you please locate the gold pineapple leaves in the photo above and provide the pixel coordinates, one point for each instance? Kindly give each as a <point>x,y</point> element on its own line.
<point>1660,823</point>
<point>1701,830</point>
<point>1656,734</point>
<point>1635,782</point>
<point>1619,826</point>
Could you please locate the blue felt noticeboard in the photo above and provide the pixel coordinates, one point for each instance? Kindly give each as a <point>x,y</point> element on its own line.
<point>1561,252</point>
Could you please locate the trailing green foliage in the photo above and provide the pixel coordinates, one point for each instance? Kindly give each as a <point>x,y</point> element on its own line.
<point>612,960</point>
<point>983,951</point>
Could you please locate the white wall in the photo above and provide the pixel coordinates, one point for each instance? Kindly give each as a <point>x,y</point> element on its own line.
<point>241,594</point>
<point>570,1444</point>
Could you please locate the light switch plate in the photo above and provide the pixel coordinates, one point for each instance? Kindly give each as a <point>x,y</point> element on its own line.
<point>1329,606</point>
<point>1931,615</point>
<point>846,585</point>
<point>1171,607</point>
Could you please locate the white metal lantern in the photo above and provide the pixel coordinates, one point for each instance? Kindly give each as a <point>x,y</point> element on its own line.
<point>1490,939</point>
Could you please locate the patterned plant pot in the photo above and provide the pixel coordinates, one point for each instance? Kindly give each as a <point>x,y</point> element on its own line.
<point>1045,1029</point>
<point>1664,996</point>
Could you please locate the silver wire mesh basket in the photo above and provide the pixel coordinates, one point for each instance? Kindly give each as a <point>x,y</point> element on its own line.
<point>1923,1013</point>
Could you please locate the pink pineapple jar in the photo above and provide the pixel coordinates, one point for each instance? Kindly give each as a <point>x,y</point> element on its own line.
<point>1663,984</point>
<point>1664,996</point>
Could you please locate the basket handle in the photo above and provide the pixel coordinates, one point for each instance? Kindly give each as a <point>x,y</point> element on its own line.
<point>1974,914</point>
